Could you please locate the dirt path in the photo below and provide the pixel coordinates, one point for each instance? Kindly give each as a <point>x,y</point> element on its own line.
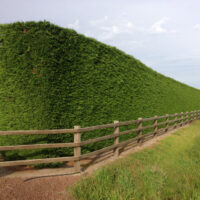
<point>26,185</point>
<point>49,188</point>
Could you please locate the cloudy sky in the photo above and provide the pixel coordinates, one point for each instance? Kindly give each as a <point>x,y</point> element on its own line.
<point>163,34</point>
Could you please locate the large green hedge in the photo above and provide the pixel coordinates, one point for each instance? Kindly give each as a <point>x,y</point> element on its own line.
<point>52,78</point>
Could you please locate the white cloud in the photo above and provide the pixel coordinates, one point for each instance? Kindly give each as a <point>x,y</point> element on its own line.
<point>113,30</point>
<point>98,21</point>
<point>105,18</point>
<point>75,25</point>
<point>134,44</point>
<point>109,28</point>
<point>129,24</point>
<point>158,28</point>
<point>197,26</point>
<point>116,29</point>
<point>109,32</point>
<point>173,31</point>
<point>106,36</point>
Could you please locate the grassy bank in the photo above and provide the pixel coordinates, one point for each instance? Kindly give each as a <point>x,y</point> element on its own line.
<point>168,171</point>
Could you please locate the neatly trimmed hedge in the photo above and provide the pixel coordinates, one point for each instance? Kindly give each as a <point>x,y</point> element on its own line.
<point>52,77</point>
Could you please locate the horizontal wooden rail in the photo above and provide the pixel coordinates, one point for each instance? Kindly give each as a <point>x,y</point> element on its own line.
<point>37,132</point>
<point>179,120</point>
<point>172,115</point>
<point>149,119</point>
<point>108,137</point>
<point>148,127</point>
<point>109,148</point>
<point>36,161</point>
<point>37,146</point>
<point>81,130</point>
<point>161,123</point>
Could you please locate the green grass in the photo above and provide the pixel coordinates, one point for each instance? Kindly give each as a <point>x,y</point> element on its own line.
<point>168,171</point>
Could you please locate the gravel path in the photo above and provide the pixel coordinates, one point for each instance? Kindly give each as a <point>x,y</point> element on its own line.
<point>46,188</point>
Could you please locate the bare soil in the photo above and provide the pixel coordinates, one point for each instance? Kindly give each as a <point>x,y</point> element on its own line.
<point>48,188</point>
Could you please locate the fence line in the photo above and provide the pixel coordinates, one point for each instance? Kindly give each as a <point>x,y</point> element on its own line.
<point>179,120</point>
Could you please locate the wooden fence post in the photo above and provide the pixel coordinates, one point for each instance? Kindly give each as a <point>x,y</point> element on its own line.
<point>155,125</point>
<point>167,123</point>
<point>176,122</point>
<point>181,119</point>
<point>186,122</point>
<point>77,150</point>
<point>188,117</point>
<point>183,116</point>
<point>140,129</point>
<point>116,139</point>
<point>191,116</point>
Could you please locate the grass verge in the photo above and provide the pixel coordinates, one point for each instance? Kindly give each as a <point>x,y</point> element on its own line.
<point>168,171</point>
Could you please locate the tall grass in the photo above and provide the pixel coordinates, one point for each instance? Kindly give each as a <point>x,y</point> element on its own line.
<point>168,171</point>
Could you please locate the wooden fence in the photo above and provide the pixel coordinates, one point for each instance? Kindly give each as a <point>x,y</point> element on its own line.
<point>178,120</point>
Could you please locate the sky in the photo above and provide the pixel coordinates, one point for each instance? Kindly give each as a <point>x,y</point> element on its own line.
<point>163,34</point>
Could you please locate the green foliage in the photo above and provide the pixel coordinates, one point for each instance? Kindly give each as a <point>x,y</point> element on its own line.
<point>52,78</point>
<point>168,171</point>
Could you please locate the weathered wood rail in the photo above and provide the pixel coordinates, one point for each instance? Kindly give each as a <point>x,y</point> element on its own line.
<point>179,120</point>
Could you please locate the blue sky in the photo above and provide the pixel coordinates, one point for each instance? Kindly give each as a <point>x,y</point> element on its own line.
<point>163,34</point>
